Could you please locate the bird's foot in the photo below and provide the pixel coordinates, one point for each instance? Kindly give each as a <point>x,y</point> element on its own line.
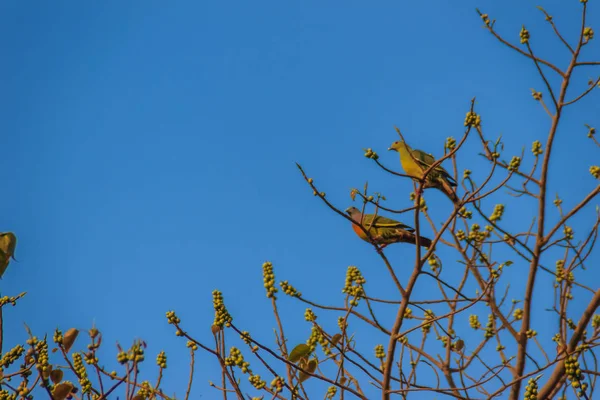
<point>380,248</point>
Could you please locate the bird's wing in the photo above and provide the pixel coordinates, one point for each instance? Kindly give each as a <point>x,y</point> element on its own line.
<point>427,160</point>
<point>383,222</point>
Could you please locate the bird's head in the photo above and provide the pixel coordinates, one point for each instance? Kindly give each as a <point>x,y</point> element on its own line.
<point>352,211</point>
<point>398,145</point>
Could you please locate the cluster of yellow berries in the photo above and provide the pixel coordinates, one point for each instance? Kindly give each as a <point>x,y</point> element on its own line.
<point>536,148</point>
<point>498,212</point>
<point>289,289</point>
<point>531,390</point>
<point>530,333</point>
<point>557,202</point>
<point>222,316</point>
<point>135,354</point>
<point>472,119</point>
<point>79,368</point>
<point>317,337</point>
<point>588,33</point>
<point>11,356</point>
<point>23,390</point>
<point>524,35</point>
<point>172,318</point>
<point>269,279</point>
<point>518,314</point>
<point>571,324</point>
<point>591,131</point>
<point>561,274</point>
<point>161,360</point>
<point>331,392</point>
<point>309,315</point>
<point>433,262</point>
<point>574,374</point>
<point>257,382</point>
<point>277,384</point>
<point>408,313</point>
<point>486,19</point>
<point>556,338</point>
<point>536,96</point>
<point>41,348</point>
<point>58,336</point>
<point>236,358</point>
<point>353,284</point>
<point>12,300</point>
<point>245,336</point>
<point>5,395</point>
<point>596,321</point>
<point>422,203</point>
<point>477,235</point>
<point>560,270</point>
<point>515,162</point>
<point>450,143</point>
<point>568,231</point>
<point>444,340</point>
<point>500,347</point>
<point>595,171</point>
<point>429,315</point>
<point>474,321</point>
<point>145,390</point>
<point>90,358</point>
<point>489,327</point>
<point>122,357</point>
<point>508,239</point>
<point>191,345</point>
<point>379,352</point>
<point>466,173</point>
<point>369,153</point>
<point>465,213</point>
<point>342,324</point>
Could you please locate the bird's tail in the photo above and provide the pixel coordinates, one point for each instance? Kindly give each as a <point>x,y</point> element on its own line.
<point>423,241</point>
<point>448,191</point>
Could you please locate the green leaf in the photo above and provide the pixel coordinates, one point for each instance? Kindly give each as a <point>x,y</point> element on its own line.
<point>311,367</point>
<point>336,339</point>
<point>299,352</point>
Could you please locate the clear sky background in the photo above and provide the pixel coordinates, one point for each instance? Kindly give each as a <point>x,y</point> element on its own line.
<point>149,148</point>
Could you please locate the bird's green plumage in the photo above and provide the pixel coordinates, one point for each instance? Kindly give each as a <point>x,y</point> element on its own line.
<point>8,243</point>
<point>383,222</point>
<point>416,162</point>
<point>382,230</point>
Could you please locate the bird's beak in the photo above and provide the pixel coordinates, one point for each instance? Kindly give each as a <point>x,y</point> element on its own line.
<point>389,148</point>
<point>347,211</point>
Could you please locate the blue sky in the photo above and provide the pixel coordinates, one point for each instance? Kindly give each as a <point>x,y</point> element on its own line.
<point>149,149</point>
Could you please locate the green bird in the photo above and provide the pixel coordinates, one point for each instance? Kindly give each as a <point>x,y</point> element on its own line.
<point>8,242</point>
<point>383,230</point>
<point>417,163</point>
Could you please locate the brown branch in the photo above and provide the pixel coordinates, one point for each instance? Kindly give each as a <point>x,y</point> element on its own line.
<point>512,46</point>
<point>575,209</point>
<point>533,268</point>
<point>559,370</point>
